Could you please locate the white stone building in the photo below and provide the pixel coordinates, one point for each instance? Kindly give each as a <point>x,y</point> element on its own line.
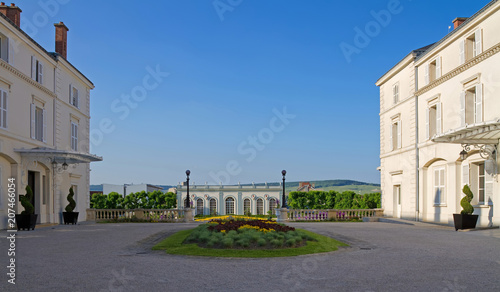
<point>225,200</point>
<point>44,122</point>
<point>435,103</point>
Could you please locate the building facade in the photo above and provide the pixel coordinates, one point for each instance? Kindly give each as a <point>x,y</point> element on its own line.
<point>44,122</point>
<point>440,124</point>
<point>226,200</point>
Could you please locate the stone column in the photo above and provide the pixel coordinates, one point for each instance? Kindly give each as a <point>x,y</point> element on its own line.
<point>188,215</point>
<point>282,215</point>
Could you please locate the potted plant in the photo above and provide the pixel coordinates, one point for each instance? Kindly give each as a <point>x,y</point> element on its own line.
<point>465,220</point>
<point>27,219</point>
<point>69,216</point>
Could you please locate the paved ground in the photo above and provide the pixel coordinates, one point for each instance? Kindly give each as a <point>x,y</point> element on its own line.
<point>382,257</point>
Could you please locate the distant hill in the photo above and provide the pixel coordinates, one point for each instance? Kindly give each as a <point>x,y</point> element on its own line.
<point>338,185</point>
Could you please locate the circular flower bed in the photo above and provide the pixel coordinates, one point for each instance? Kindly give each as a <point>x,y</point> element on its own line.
<point>251,234</point>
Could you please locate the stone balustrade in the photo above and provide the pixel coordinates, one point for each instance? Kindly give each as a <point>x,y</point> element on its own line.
<point>331,214</point>
<point>166,215</point>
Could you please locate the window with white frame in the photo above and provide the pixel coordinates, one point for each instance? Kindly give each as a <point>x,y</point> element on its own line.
<point>3,108</point>
<point>246,206</point>
<point>272,205</point>
<point>74,98</point>
<point>471,105</point>
<point>213,206</point>
<point>433,120</point>
<point>395,93</point>
<point>433,70</point>
<point>439,186</point>
<point>481,183</point>
<point>199,206</point>
<point>229,206</point>
<point>260,207</point>
<point>395,134</point>
<point>38,123</point>
<point>471,46</point>
<point>36,70</point>
<point>74,136</point>
<point>4,48</point>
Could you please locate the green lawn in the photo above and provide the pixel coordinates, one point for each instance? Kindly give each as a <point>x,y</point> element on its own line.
<point>173,245</point>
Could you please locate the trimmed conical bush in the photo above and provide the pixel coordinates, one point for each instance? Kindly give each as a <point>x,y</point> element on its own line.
<point>465,202</point>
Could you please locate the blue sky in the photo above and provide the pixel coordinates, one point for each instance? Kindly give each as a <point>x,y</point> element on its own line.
<point>237,90</point>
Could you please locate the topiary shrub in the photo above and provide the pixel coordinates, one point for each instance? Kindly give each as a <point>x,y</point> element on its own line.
<point>26,202</point>
<point>465,202</point>
<point>72,204</point>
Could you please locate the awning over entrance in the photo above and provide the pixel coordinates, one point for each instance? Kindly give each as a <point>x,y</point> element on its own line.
<point>481,133</point>
<point>59,156</point>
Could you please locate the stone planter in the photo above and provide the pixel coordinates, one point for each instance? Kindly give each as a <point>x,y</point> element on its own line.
<point>26,222</point>
<point>70,217</point>
<point>465,221</point>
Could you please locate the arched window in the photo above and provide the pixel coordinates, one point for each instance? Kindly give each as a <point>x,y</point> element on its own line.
<point>229,206</point>
<point>184,203</point>
<point>260,207</point>
<point>246,207</point>
<point>199,206</point>
<point>272,205</point>
<point>213,206</point>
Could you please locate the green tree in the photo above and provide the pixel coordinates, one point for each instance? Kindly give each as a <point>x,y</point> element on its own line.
<point>114,201</point>
<point>170,200</point>
<point>98,201</point>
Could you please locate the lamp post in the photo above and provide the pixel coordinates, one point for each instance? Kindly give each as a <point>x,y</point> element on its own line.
<point>283,200</point>
<point>186,204</point>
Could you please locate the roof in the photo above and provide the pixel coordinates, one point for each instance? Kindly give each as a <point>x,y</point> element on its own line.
<point>52,55</point>
<point>415,53</point>
<point>451,33</point>
<point>420,53</point>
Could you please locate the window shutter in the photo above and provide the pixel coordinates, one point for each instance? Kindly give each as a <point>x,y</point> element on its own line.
<point>488,187</point>
<point>33,67</point>
<point>40,73</point>
<point>462,108</point>
<point>426,74</point>
<point>479,44</point>
<point>399,134</point>
<point>44,119</point>
<point>3,109</point>
<point>77,99</point>
<point>465,174</point>
<point>479,103</point>
<point>438,67</point>
<point>76,137</point>
<point>70,94</point>
<point>462,51</point>
<point>33,108</point>
<point>391,138</point>
<point>427,124</point>
<point>438,118</point>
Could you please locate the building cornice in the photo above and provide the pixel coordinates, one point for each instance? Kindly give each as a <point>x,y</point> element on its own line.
<point>469,64</point>
<point>26,78</point>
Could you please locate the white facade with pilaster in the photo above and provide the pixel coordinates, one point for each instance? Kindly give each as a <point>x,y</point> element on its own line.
<point>449,101</point>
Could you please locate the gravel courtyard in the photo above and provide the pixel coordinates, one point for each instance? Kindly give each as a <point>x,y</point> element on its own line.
<point>383,256</point>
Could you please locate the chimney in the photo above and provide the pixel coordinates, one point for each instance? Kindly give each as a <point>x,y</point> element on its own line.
<point>458,21</point>
<point>12,12</point>
<point>61,39</point>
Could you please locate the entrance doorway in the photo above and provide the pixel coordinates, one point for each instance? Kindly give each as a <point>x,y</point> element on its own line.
<point>397,201</point>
